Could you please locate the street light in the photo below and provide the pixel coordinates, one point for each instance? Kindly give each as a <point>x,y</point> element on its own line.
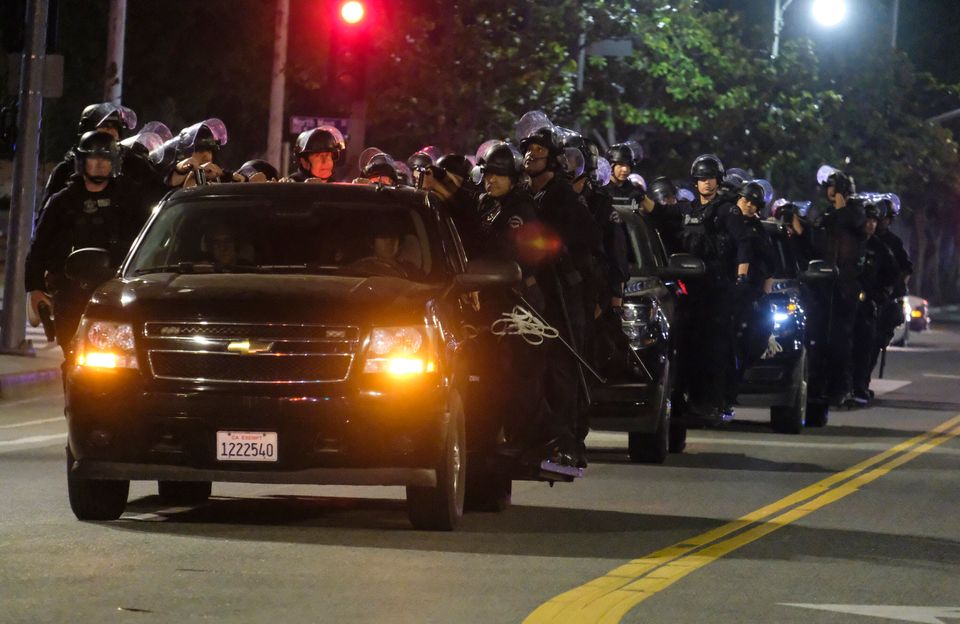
<point>826,12</point>
<point>829,13</point>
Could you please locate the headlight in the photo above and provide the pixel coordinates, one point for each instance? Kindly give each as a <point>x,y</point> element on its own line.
<point>106,344</point>
<point>635,318</point>
<point>400,351</point>
<point>782,313</point>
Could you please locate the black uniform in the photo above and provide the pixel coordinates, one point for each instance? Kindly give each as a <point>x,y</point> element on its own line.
<point>890,311</point>
<point>841,242</point>
<point>878,280</point>
<point>754,247</point>
<point>564,212</point>
<point>624,194</point>
<point>135,168</point>
<point>75,218</point>
<point>708,363</point>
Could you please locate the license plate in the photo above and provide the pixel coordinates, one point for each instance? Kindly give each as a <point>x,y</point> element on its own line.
<point>250,446</point>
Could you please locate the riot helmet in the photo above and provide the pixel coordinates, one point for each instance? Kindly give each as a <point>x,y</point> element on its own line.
<point>208,135</point>
<point>828,176</point>
<point>707,166</point>
<point>872,210</point>
<point>107,115</point>
<point>378,166</point>
<point>503,159</point>
<point>753,192</point>
<point>601,176</point>
<point>588,148</point>
<point>621,154</point>
<point>663,191</point>
<point>95,144</point>
<point>251,168</point>
<point>535,128</point>
<point>320,139</point>
<point>456,164</point>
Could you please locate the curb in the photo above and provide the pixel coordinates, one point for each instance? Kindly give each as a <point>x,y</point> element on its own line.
<point>29,383</point>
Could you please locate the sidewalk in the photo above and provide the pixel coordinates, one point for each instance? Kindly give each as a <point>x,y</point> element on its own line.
<point>22,376</point>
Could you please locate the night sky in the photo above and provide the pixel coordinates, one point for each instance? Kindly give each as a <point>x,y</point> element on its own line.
<point>929,30</point>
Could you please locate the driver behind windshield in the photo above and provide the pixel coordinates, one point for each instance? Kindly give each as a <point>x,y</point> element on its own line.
<point>384,256</point>
<point>223,247</point>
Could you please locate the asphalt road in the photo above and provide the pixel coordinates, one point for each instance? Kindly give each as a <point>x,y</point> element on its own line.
<point>852,523</point>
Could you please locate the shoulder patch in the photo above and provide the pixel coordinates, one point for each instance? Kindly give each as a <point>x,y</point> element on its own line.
<point>615,217</point>
<point>515,222</point>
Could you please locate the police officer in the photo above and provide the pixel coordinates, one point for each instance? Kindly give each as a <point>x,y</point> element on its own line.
<point>625,194</point>
<point>878,279</point>
<point>756,262</point>
<point>97,208</point>
<point>567,215</point>
<point>890,313</point>
<point>841,241</point>
<point>793,216</point>
<point>379,168</point>
<point>668,219</point>
<point>107,117</point>
<point>198,147</point>
<point>317,153</point>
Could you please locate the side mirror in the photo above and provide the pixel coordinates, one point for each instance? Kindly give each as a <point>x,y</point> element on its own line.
<point>89,267</point>
<point>819,271</point>
<point>682,265</point>
<point>484,273</point>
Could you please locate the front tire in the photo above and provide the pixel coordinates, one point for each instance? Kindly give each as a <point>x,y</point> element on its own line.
<point>440,508</point>
<point>653,448</point>
<point>791,419</point>
<point>95,499</point>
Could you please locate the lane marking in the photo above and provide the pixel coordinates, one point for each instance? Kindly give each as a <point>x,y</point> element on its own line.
<point>886,386</point>
<point>606,600</point>
<point>941,376</point>
<point>923,615</point>
<point>46,397</point>
<point>32,440</point>
<point>33,422</point>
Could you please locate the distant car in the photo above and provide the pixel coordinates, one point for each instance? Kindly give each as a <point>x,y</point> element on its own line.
<point>919,314</point>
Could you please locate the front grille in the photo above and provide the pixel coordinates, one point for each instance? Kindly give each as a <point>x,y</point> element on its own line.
<point>284,353</point>
<point>200,366</point>
<point>241,331</point>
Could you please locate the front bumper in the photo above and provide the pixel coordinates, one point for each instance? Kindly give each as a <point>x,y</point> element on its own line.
<point>119,426</point>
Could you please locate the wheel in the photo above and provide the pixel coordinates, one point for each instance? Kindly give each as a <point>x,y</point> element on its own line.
<point>678,438</point>
<point>651,448</point>
<point>792,418</point>
<point>95,499</point>
<point>817,414</point>
<point>184,492</point>
<point>487,489</point>
<point>440,508</point>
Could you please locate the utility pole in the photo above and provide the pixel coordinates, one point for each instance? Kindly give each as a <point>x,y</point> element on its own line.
<point>113,84</point>
<point>278,82</point>
<point>779,8</point>
<point>13,319</point>
<point>896,23</point>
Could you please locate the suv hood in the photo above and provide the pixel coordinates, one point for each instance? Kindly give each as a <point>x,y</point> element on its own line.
<point>264,298</point>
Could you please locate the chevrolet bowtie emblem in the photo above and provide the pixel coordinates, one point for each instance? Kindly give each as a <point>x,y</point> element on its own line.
<point>249,347</point>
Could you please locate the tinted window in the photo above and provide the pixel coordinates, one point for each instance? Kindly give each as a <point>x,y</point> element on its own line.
<point>643,245</point>
<point>234,235</point>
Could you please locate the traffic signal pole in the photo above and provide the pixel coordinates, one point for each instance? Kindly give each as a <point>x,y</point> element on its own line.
<point>278,82</point>
<point>26,161</point>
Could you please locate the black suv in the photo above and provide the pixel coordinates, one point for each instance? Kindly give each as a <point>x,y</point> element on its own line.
<point>281,333</point>
<point>779,327</point>
<point>636,397</point>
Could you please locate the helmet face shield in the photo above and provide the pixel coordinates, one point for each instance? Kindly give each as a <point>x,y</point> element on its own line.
<point>320,139</point>
<point>97,145</point>
<point>575,162</point>
<point>210,134</point>
<point>601,176</point>
<point>534,123</point>
<point>824,173</point>
<point>144,143</point>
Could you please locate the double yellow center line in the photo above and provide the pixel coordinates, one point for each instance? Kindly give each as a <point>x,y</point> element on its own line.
<point>606,600</point>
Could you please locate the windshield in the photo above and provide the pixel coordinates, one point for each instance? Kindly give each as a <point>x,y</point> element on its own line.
<point>261,236</point>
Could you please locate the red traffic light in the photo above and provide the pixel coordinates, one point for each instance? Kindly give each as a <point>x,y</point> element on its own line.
<point>352,12</point>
